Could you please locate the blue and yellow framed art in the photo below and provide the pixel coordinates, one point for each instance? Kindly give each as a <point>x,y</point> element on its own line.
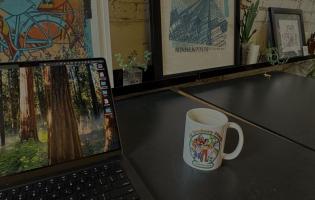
<point>196,34</point>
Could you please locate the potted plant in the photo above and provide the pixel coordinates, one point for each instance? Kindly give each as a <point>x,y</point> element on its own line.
<point>250,13</point>
<point>132,69</point>
<point>273,56</point>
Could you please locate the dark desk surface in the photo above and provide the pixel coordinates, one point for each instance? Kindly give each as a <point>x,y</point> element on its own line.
<point>284,103</point>
<point>269,167</point>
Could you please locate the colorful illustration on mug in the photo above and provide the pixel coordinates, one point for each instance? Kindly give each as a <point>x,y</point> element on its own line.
<point>204,148</point>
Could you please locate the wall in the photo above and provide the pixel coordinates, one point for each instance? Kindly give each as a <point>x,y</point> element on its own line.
<point>129,24</point>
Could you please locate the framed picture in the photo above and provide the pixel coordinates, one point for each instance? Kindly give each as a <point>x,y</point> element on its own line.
<point>193,35</point>
<point>54,29</point>
<point>287,31</point>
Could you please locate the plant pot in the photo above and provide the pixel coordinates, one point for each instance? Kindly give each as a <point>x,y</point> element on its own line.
<point>132,76</point>
<point>250,53</point>
<point>244,52</point>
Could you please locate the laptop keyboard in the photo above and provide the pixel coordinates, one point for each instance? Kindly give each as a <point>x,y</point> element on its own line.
<point>102,182</point>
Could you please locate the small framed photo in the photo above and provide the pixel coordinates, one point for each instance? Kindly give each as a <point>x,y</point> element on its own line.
<point>287,30</point>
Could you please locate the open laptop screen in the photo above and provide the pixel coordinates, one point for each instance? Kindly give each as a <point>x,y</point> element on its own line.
<point>54,112</point>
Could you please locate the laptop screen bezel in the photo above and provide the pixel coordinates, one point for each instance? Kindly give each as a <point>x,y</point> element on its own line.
<point>42,172</point>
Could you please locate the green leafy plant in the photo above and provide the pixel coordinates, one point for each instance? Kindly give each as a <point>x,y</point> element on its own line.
<point>132,60</point>
<point>250,13</point>
<point>273,56</point>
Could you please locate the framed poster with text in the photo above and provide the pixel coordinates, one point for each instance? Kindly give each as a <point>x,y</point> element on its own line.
<point>197,34</point>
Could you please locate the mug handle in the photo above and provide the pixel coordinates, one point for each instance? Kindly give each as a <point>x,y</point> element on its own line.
<point>239,146</point>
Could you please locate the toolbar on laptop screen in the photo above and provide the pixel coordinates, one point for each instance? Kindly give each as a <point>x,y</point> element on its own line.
<point>53,113</point>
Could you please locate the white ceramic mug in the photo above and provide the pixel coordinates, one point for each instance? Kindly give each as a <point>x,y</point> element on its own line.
<point>205,134</point>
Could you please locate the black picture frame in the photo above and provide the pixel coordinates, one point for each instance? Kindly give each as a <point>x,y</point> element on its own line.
<point>283,34</point>
<point>157,47</point>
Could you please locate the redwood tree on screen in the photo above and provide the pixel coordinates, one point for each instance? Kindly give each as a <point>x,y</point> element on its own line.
<point>63,136</point>
<point>28,126</point>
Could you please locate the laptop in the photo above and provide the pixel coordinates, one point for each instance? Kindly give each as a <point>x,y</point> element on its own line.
<point>59,137</point>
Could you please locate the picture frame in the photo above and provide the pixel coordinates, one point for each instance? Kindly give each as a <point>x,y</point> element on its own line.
<point>42,30</point>
<point>287,31</point>
<point>186,39</point>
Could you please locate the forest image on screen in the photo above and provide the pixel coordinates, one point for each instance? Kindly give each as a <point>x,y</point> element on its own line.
<point>50,115</point>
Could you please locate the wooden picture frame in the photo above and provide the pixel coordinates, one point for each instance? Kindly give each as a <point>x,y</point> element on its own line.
<point>180,46</point>
<point>287,31</point>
